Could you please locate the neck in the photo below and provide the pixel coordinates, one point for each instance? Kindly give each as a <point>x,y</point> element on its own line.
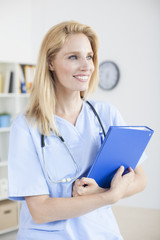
<point>69,106</point>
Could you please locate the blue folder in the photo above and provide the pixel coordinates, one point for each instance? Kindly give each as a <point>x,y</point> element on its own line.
<point>123,145</point>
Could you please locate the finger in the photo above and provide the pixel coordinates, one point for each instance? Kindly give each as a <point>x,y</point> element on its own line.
<point>130,169</point>
<point>81,191</point>
<point>75,186</point>
<point>120,170</point>
<point>74,190</point>
<point>76,183</point>
<point>130,175</point>
<point>87,181</point>
<point>74,194</point>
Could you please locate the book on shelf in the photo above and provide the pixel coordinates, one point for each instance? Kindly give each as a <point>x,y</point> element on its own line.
<point>0,83</point>
<point>22,80</point>
<point>29,76</point>
<point>26,77</point>
<point>8,82</point>
<point>11,83</point>
<point>16,78</point>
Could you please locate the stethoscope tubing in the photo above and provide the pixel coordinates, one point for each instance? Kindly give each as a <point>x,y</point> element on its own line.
<point>64,180</point>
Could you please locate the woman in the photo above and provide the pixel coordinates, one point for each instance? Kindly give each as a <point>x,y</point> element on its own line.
<point>53,145</point>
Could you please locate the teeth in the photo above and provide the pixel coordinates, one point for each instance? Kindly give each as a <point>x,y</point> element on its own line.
<point>82,77</point>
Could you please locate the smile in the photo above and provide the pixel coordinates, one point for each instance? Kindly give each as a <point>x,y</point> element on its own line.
<point>83,78</point>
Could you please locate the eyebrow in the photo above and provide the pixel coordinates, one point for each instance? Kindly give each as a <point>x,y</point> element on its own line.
<point>76,52</point>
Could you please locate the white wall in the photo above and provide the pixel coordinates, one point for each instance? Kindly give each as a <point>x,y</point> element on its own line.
<point>15,31</point>
<point>129,32</point>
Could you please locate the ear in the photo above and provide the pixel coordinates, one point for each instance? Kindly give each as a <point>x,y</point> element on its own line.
<point>51,68</point>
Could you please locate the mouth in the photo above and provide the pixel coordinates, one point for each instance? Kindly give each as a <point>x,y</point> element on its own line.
<point>82,78</point>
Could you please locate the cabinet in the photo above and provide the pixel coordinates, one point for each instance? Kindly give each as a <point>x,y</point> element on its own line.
<point>8,216</point>
<point>12,102</point>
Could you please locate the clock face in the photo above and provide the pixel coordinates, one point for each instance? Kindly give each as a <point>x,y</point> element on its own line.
<point>108,75</point>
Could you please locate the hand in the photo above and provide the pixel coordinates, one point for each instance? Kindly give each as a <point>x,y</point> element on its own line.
<point>120,183</point>
<point>86,186</point>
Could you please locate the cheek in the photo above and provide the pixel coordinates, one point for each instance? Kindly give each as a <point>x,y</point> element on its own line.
<point>62,72</point>
<point>67,69</point>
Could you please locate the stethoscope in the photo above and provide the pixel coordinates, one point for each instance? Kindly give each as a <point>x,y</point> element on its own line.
<point>69,179</point>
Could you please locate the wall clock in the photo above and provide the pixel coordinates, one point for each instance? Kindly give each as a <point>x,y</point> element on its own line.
<point>108,75</point>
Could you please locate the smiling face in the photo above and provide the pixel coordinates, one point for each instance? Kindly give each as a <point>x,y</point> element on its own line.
<point>73,65</point>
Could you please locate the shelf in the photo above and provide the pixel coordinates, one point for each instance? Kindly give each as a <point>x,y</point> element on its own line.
<point>14,95</point>
<point>4,164</point>
<point>13,103</point>
<point>9,230</point>
<point>3,199</point>
<point>4,130</point>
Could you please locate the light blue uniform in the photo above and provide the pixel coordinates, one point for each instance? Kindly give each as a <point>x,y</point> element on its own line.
<point>27,176</point>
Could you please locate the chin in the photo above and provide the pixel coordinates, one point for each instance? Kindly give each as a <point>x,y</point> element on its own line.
<point>84,88</point>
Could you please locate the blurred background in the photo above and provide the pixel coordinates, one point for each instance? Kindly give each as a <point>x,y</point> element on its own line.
<point>129,35</point>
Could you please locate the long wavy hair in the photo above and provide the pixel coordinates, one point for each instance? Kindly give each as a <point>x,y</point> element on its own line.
<point>42,101</point>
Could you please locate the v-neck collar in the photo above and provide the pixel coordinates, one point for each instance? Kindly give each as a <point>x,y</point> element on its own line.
<point>69,123</point>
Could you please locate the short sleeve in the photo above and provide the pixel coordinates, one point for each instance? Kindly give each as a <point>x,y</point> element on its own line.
<point>117,118</point>
<point>25,173</point>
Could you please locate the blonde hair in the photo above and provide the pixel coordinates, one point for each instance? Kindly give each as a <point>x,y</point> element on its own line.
<point>41,107</point>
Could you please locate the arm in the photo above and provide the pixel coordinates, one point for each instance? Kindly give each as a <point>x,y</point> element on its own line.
<point>137,185</point>
<point>45,209</point>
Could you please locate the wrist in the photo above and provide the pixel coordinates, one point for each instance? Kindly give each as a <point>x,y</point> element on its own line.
<point>111,196</point>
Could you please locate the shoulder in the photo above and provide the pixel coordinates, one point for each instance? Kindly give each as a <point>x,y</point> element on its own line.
<point>108,112</point>
<point>24,131</point>
<point>103,107</point>
<point>21,123</point>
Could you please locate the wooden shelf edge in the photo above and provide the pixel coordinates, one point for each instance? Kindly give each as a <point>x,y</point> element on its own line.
<point>13,95</point>
<point>3,163</point>
<point>7,230</point>
<point>4,129</point>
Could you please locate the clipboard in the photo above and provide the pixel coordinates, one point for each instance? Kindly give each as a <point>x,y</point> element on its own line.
<point>123,145</point>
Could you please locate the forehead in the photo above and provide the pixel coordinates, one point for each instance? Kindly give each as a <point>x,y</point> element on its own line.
<point>76,42</point>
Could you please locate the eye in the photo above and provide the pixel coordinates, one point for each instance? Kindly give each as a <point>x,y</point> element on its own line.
<point>73,57</point>
<point>90,57</point>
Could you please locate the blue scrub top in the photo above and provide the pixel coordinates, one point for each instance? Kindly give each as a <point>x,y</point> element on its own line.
<point>27,176</point>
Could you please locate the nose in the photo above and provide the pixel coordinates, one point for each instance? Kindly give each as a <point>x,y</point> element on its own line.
<point>86,65</point>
